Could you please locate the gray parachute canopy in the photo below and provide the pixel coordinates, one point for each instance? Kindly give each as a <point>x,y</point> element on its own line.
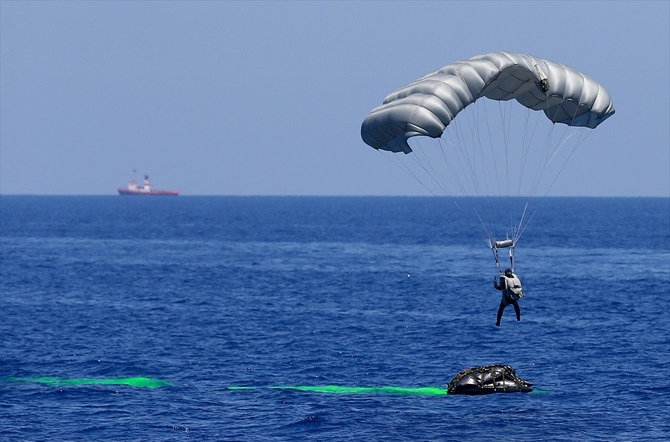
<point>427,105</point>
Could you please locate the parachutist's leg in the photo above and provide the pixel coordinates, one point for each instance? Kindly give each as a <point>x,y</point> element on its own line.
<point>518,311</point>
<point>500,312</point>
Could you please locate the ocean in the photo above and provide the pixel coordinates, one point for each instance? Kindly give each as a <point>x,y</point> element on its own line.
<point>128,319</point>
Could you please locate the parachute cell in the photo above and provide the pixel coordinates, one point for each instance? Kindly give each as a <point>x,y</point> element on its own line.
<point>427,106</point>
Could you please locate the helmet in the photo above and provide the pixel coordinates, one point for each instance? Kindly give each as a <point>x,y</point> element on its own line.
<point>508,272</point>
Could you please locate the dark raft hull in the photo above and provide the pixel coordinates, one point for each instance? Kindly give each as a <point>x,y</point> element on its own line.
<point>488,379</point>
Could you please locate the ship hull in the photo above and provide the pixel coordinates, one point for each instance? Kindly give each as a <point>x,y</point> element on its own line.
<point>149,193</point>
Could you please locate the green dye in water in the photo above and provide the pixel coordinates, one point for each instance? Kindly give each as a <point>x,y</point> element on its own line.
<point>131,382</point>
<point>337,389</point>
<point>143,382</point>
<point>539,392</point>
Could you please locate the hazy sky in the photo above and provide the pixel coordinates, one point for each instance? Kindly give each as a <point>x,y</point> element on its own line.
<point>267,98</point>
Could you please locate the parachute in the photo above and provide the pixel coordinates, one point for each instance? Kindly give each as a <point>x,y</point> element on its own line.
<point>428,105</point>
<point>486,158</point>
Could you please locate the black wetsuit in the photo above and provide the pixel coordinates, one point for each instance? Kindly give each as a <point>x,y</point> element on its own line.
<point>507,299</point>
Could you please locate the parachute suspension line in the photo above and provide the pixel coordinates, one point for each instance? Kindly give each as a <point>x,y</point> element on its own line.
<point>559,147</point>
<point>522,227</point>
<point>406,169</point>
<point>493,161</point>
<point>445,189</point>
<point>467,159</point>
<point>463,188</point>
<point>506,119</point>
<point>492,157</point>
<point>481,108</point>
<point>481,184</point>
<point>420,154</point>
<point>548,150</point>
<point>496,186</point>
<point>478,147</point>
<point>457,155</point>
<point>524,151</point>
<point>580,140</point>
<point>525,160</point>
<point>539,172</point>
<point>507,115</point>
<point>547,143</point>
<point>440,184</point>
<point>529,137</point>
<point>467,162</point>
<point>490,142</point>
<point>506,123</point>
<point>583,134</point>
<point>434,174</point>
<point>445,158</point>
<point>553,149</point>
<point>528,141</point>
<point>417,147</point>
<point>470,153</point>
<point>495,256</point>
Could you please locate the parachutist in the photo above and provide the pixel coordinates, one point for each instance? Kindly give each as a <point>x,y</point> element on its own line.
<point>510,285</point>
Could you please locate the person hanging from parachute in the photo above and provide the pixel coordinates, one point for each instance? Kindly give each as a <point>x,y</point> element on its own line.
<point>474,158</point>
<point>511,289</point>
<point>510,284</point>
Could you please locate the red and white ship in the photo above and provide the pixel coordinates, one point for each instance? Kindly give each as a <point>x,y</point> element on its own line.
<point>134,189</point>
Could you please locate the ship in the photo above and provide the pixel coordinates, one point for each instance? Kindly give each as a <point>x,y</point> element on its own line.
<point>144,190</point>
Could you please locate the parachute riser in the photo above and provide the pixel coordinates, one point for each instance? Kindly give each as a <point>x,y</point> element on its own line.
<point>506,244</point>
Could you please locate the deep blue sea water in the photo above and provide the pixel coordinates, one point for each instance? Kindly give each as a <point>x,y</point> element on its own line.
<point>213,292</point>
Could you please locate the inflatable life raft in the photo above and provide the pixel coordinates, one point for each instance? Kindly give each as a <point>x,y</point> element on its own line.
<point>488,379</point>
